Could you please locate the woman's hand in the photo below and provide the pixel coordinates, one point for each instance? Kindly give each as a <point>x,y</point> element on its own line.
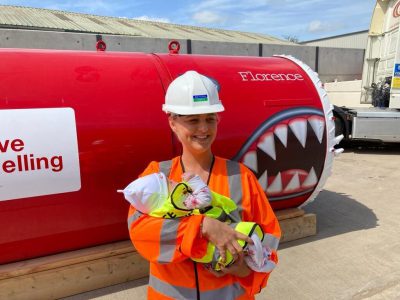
<point>224,238</point>
<point>239,268</point>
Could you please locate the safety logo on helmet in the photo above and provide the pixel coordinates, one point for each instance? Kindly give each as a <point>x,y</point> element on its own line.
<point>200,98</point>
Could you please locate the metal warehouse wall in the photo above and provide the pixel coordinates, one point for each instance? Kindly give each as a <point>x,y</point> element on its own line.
<point>356,40</point>
<point>330,63</point>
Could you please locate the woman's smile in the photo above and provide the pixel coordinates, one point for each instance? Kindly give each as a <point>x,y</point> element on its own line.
<point>201,138</point>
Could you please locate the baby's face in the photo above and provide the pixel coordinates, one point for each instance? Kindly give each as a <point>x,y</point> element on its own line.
<point>172,184</point>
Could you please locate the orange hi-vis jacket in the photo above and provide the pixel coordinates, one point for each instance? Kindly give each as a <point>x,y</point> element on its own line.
<point>168,243</point>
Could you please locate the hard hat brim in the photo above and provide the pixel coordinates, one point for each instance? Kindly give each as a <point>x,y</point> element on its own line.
<point>181,110</point>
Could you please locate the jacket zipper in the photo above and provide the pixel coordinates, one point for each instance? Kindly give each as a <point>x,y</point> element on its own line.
<point>197,281</point>
<point>196,275</point>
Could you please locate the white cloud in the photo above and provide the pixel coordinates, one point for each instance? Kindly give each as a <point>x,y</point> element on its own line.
<point>154,19</point>
<point>208,17</point>
<point>210,4</point>
<point>315,26</point>
<point>318,26</point>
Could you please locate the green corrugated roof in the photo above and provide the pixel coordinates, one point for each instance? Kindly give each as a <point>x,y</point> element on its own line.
<point>46,19</point>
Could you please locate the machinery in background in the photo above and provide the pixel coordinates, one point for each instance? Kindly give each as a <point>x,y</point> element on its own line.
<point>380,82</point>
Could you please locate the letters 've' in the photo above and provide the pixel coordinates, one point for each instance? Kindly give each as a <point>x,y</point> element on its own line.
<point>16,145</point>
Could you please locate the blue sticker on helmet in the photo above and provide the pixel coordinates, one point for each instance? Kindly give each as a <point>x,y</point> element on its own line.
<point>200,98</point>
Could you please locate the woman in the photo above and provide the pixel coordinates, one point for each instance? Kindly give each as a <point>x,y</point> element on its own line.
<point>192,104</point>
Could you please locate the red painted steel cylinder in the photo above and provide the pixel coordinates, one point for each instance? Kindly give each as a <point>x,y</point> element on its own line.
<point>77,126</point>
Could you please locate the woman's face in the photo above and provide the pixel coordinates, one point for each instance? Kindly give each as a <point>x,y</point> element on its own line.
<point>195,132</point>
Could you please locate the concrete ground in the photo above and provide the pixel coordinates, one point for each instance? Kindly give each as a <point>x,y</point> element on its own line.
<point>356,252</point>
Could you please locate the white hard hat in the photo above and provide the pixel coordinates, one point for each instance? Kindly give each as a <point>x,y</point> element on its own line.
<point>192,94</point>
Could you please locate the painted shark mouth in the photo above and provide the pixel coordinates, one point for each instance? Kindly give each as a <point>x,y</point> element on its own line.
<point>287,153</point>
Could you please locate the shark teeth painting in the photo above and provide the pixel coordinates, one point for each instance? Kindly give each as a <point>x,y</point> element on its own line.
<point>287,153</point>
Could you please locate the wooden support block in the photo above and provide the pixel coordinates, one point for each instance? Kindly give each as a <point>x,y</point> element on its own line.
<point>71,273</point>
<point>289,213</point>
<point>298,227</point>
<point>64,259</point>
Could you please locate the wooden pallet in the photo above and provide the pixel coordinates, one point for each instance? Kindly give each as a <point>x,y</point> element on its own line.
<point>75,272</point>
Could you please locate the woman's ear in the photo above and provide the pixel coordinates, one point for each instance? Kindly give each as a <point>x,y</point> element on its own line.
<point>171,122</point>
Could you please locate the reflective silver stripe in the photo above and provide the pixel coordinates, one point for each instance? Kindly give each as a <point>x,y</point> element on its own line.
<point>233,225</point>
<point>215,257</point>
<point>227,292</point>
<point>271,241</point>
<point>168,235</point>
<point>133,218</point>
<point>169,228</point>
<point>165,167</point>
<point>235,187</point>
<point>177,292</point>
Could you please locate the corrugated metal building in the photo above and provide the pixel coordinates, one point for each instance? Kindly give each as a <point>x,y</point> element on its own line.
<point>354,40</point>
<point>54,20</point>
<point>34,28</point>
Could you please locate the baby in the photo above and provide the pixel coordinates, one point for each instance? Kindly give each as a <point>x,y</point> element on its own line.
<point>158,196</point>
